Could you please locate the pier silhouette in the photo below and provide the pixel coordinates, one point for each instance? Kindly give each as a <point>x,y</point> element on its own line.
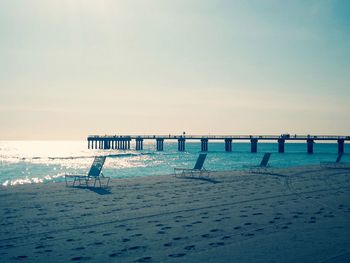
<point>123,142</point>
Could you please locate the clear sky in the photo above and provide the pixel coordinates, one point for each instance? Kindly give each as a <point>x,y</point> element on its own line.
<point>70,68</point>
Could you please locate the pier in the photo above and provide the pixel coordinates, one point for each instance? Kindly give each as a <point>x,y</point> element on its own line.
<point>123,142</point>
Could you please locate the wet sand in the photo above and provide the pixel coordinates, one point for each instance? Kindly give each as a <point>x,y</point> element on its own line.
<point>288,215</point>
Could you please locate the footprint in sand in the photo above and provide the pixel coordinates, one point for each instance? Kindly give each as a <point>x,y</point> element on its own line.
<point>134,248</point>
<point>217,244</point>
<point>113,255</point>
<point>80,258</point>
<point>257,214</point>
<point>179,255</point>
<point>190,247</point>
<point>248,234</point>
<point>120,226</point>
<point>39,247</point>
<point>329,215</point>
<point>21,257</point>
<point>144,259</point>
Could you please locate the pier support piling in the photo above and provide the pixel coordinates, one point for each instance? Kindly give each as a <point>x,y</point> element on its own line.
<point>107,144</point>
<point>341,146</point>
<point>310,146</point>
<point>181,144</point>
<point>254,145</point>
<point>281,145</point>
<point>139,144</point>
<point>228,145</point>
<point>204,144</point>
<point>160,144</point>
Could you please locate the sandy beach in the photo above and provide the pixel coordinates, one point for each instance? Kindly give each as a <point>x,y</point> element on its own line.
<point>289,215</point>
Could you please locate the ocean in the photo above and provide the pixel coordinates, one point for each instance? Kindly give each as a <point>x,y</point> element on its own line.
<point>24,162</point>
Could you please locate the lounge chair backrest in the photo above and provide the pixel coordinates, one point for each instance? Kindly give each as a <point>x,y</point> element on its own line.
<point>340,155</point>
<point>200,161</point>
<point>96,166</point>
<point>265,160</point>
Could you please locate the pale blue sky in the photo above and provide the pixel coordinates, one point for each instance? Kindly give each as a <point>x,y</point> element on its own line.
<point>73,68</point>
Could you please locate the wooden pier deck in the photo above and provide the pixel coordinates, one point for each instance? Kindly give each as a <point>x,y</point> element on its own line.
<point>123,142</point>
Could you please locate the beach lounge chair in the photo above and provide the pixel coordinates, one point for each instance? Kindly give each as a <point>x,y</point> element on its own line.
<point>197,169</point>
<point>262,167</point>
<point>336,164</point>
<point>94,174</point>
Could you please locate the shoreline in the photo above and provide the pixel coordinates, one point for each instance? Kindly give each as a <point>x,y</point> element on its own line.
<point>293,214</point>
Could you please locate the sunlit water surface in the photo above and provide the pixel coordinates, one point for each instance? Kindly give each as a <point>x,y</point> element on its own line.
<point>41,161</point>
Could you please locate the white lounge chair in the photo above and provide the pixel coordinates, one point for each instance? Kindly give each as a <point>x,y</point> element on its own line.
<point>94,174</point>
<point>197,169</point>
<point>262,167</point>
<point>336,164</point>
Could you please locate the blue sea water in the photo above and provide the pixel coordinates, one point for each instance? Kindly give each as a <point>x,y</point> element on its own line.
<point>42,161</point>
